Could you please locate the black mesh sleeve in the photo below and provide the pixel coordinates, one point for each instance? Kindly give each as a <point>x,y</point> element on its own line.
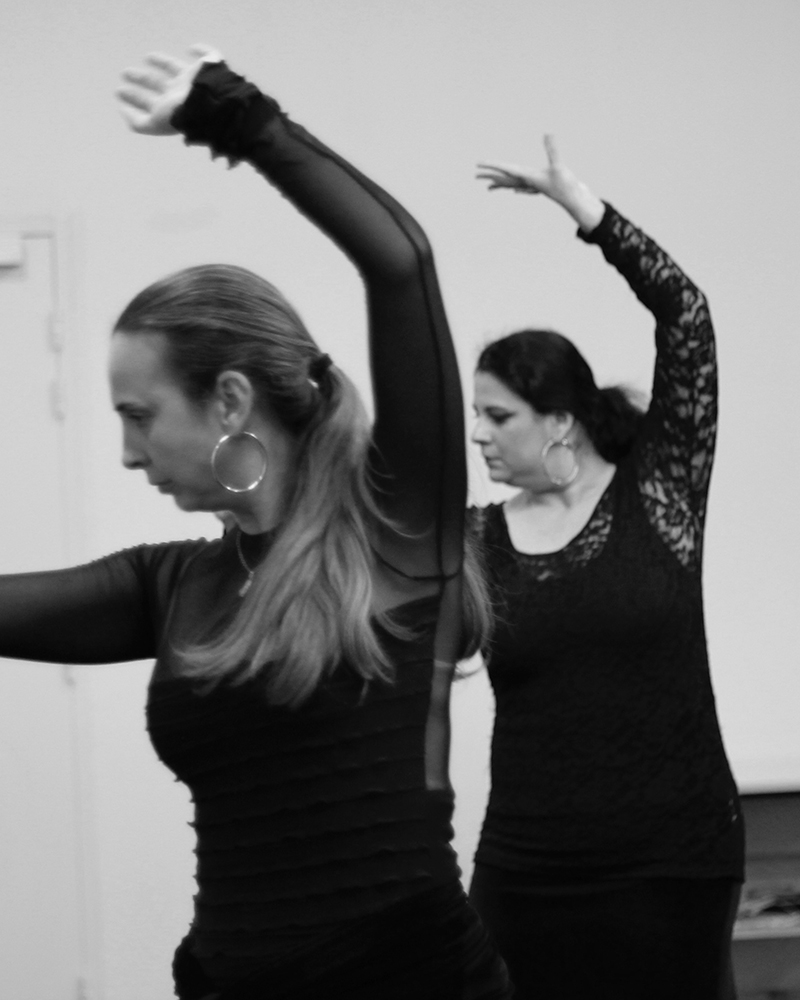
<point>419,432</point>
<point>104,612</point>
<point>676,446</point>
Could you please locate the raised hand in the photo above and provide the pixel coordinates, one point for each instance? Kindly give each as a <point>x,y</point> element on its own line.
<point>151,93</point>
<point>555,181</point>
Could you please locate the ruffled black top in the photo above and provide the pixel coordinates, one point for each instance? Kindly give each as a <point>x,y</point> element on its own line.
<point>311,817</point>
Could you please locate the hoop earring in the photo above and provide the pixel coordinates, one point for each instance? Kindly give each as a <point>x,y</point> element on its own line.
<point>243,440</point>
<point>570,477</point>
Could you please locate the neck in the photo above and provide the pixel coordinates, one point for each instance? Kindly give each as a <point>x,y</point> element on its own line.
<point>257,521</point>
<point>259,511</point>
<point>594,475</point>
<point>264,508</point>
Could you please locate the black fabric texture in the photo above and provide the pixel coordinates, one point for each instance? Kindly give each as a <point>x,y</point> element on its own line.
<point>651,939</point>
<point>317,820</point>
<point>607,759</point>
<point>430,946</point>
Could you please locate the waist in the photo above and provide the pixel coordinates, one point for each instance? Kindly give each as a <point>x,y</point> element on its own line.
<point>267,884</point>
<point>418,946</point>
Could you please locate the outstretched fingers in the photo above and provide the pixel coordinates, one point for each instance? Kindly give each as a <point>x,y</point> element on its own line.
<point>135,99</point>
<point>144,78</point>
<point>551,149</point>
<point>151,91</point>
<point>506,175</point>
<point>165,63</point>
<point>494,175</point>
<point>136,117</point>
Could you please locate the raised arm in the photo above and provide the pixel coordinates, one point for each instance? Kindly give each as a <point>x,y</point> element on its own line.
<point>681,421</point>
<point>418,432</point>
<point>676,445</point>
<point>677,441</point>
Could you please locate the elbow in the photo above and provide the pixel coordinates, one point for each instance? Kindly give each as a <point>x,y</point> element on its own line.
<point>412,257</point>
<point>701,299</point>
<point>693,302</point>
<point>694,294</point>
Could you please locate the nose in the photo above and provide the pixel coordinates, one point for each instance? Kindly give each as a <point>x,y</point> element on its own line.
<point>132,456</point>
<point>480,433</point>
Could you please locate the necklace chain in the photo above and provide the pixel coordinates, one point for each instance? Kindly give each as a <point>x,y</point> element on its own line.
<point>248,582</point>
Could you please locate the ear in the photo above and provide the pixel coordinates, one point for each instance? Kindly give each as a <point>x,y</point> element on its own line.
<point>234,400</point>
<point>561,423</point>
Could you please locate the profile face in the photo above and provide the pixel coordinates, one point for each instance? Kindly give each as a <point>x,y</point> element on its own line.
<point>510,433</point>
<point>164,433</point>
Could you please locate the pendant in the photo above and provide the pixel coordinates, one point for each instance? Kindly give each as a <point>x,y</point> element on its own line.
<point>245,586</point>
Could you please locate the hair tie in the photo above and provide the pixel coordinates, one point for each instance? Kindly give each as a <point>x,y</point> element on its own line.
<point>318,368</point>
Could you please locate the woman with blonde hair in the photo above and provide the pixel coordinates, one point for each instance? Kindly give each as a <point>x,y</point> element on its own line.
<point>303,660</point>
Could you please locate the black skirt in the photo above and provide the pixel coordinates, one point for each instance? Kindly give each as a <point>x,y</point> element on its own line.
<point>659,938</point>
<point>431,946</point>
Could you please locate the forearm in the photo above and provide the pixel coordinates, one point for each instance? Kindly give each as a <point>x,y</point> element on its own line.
<point>236,120</point>
<point>681,424</point>
<point>654,277</point>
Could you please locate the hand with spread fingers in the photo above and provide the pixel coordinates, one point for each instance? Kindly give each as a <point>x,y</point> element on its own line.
<point>152,92</point>
<point>556,181</point>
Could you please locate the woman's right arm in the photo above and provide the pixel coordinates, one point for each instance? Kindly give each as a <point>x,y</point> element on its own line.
<point>106,611</point>
<point>676,444</point>
<point>681,421</point>
<point>418,432</point>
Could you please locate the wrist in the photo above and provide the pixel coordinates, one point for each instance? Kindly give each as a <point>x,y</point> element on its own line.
<point>583,205</point>
<point>223,111</point>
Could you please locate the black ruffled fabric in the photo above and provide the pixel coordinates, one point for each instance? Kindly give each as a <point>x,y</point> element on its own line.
<point>306,818</point>
<point>316,820</point>
<point>224,112</point>
<point>429,947</point>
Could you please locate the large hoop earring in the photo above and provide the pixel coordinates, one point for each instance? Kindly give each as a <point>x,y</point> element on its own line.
<point>571,475</point>
<point>230,450</point>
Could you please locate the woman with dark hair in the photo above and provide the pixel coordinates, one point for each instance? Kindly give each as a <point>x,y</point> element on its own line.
<point>611,854</point>
<point>303,660</point>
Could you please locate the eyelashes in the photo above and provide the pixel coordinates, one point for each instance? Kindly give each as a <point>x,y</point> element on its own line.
<point>494,418</point>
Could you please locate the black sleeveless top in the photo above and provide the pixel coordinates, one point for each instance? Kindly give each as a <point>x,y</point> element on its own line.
<point>607,759</point>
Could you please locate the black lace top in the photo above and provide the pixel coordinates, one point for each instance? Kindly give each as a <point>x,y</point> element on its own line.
<point>607,760</point>
<point>305,817</point>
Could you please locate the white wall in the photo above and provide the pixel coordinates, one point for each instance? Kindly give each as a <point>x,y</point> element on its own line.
<point>682,114</point>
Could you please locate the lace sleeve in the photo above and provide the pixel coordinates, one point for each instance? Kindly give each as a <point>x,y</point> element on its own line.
<point>418,434</point>
<point>675,448</point>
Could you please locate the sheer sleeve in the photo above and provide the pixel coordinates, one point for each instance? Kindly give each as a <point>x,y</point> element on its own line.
<point>104,612</point>
<point>418,433</point>
<point>675,448</point>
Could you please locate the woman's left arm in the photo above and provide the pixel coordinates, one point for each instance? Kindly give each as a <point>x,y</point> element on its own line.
<point>680,427</point>
<point>679,432</point>
<point>418,433</point>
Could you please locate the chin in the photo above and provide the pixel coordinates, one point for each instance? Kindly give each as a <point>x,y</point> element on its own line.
<point>498,475</point>
<point>187,503</point>
<point>196,502</point>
